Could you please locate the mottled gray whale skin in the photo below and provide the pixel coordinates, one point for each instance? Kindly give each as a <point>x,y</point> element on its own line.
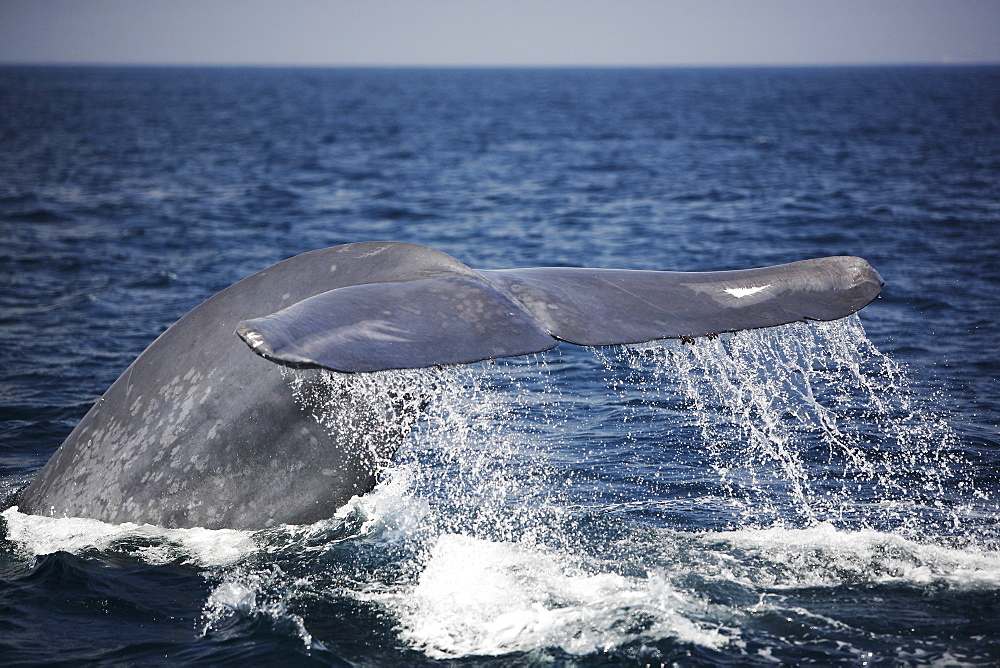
<point>203,429</point>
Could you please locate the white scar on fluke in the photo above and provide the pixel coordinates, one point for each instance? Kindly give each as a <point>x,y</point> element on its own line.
<point>740,293</point>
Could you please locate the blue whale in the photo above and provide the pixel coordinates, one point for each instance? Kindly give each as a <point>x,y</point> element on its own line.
<point>202,429</point>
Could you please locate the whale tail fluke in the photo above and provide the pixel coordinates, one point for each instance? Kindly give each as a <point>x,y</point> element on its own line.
<point>451,314</point>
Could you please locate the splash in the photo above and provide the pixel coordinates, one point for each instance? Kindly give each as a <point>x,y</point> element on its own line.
<point>811,423</point>
<point>461,421</point>
<point>816,438</point>
<point>248,597</point>
<point>496,568</point>
<point>475,460</point>
<point>369,413</point>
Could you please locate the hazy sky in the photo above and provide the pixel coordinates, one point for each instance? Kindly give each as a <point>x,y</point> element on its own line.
<point>501,32</point>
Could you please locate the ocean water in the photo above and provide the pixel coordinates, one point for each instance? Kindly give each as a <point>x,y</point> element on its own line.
<point>821,493</point>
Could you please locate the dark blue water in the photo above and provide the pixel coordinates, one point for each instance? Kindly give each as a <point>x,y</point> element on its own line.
<point>811,494</point>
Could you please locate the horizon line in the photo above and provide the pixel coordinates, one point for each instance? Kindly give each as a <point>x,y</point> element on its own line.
<point>506,66</point>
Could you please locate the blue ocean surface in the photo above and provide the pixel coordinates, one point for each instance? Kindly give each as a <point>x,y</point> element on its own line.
<point>818,493</point>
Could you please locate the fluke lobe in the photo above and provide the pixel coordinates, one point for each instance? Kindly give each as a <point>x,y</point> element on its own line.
<point>203,430</point>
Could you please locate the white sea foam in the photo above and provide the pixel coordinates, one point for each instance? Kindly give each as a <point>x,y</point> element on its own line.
<point>478,597</point>
<point>37,535</point>
<point>826,556</point>
<point>234,595</point>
